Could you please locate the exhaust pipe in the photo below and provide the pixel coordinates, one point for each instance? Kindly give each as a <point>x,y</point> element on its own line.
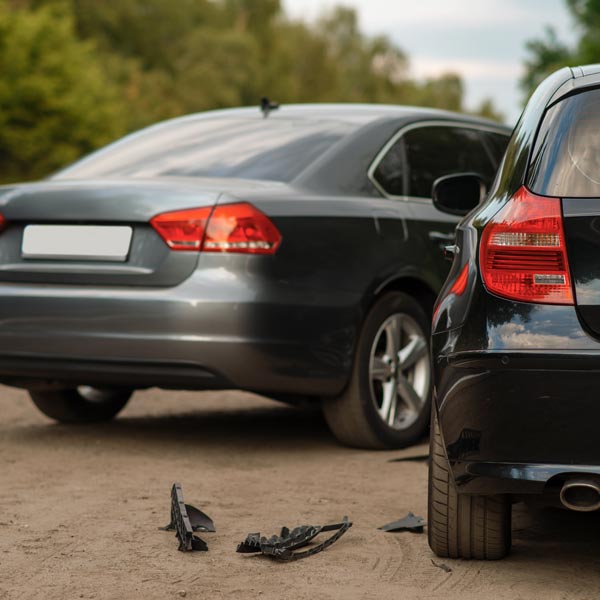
<point>581,495</point>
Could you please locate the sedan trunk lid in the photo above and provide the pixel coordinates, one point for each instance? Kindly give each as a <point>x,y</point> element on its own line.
<point>47,223</point>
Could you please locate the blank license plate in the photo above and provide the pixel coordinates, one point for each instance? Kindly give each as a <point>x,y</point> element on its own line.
<point>76,242</point>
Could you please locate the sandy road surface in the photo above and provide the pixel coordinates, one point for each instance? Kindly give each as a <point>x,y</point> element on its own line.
<point>80,507</point>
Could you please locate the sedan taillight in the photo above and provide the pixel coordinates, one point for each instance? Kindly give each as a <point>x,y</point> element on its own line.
<point>523,254</point>
<point>239,227</point>
<point>182,229</point>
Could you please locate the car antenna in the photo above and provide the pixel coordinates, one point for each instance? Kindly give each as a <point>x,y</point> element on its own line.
<point>266,106</point>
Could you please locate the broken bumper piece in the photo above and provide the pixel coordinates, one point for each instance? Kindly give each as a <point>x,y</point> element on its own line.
<point>409,523</point>
<point>283,547</point>
<point>185,520</point>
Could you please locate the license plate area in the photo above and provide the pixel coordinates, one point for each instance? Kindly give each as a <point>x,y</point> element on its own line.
<point>77,242</point>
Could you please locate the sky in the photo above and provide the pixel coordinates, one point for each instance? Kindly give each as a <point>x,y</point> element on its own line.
<point>482,40</point>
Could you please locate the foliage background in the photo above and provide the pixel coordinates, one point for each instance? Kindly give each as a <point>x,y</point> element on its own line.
<point>75,74</point>
<point>550,53</point>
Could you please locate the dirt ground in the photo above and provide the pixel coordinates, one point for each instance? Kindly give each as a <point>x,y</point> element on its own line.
<point>80,510</point>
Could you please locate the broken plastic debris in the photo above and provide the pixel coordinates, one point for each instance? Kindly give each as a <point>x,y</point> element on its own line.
<point>282,547</point>
<point>408,523</point>
<point>415,458</point>
<point>441,566</point>
<point>185,520</point>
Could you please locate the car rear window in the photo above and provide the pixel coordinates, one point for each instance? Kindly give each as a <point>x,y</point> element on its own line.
<point>270,149</point>
<point>566,157</point>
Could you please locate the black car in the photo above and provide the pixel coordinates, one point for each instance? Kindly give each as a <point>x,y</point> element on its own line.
<point>293,251</point>
<point>516,331</point>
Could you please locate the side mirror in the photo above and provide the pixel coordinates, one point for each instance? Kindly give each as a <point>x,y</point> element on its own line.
<point>458,194</point>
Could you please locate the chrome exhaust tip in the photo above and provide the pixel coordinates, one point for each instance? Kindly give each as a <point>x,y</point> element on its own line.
<point>581,495</point>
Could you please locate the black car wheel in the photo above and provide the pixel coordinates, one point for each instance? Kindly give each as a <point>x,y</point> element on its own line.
<point>387,402</point>
<point>460,525</point>
<point>84,404</point>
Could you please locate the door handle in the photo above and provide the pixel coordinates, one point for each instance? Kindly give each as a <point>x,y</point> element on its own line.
<point>445,243</point>
<point>450,252</point>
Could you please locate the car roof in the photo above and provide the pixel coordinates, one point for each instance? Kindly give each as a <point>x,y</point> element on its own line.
<point>585,70</point>
<point>357,114</point>
<point>569,80</point>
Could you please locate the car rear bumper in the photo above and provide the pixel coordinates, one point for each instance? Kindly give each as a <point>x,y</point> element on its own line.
<point>31,371</point>
<point>512,421</point>
<point>210,332</point>
<point>514,478</point>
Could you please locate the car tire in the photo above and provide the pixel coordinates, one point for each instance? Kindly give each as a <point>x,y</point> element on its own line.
<point>357,417</point>
<point>81,405</point>
<point>459,525</point>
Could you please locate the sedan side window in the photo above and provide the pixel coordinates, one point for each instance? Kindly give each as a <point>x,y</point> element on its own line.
<point>497,142</point>
<point>390,171</point>
<point>432,152</point>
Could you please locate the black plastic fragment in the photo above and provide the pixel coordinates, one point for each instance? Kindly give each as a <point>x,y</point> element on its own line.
<point>185,520</point>
<point>441,566</point>
<point>409,523</point>
<point>283,547</point>
<point>199,520</point>
<point>416,458</point>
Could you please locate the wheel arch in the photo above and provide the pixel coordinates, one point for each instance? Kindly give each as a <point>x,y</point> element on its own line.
<point>408,283</point>
<point>415,287</point>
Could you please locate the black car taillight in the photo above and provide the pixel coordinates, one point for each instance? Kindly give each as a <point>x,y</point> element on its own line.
<point>239,227</point>
<point>523,254</point>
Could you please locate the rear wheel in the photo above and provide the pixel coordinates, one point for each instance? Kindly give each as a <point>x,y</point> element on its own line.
<point>83,404</point>
<point>463,526</point>
<point>387,402</point>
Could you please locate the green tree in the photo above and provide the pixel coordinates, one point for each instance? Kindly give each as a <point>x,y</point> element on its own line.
<point>487,110</point>
<point>366,69</point>
<point>77,73</point>
<point>216,69</point>
<point>550,53</point>
<point>544,56</point>
<point>55,100</point>
<point>445,92</point>
<point>172,58</point>
<point>587,19</point>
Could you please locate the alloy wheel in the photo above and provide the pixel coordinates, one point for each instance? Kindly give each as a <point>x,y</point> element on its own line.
<point>399,371</point>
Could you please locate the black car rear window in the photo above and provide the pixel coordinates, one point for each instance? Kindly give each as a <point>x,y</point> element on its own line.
<point>270,149</point>
<point>566,157</point>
